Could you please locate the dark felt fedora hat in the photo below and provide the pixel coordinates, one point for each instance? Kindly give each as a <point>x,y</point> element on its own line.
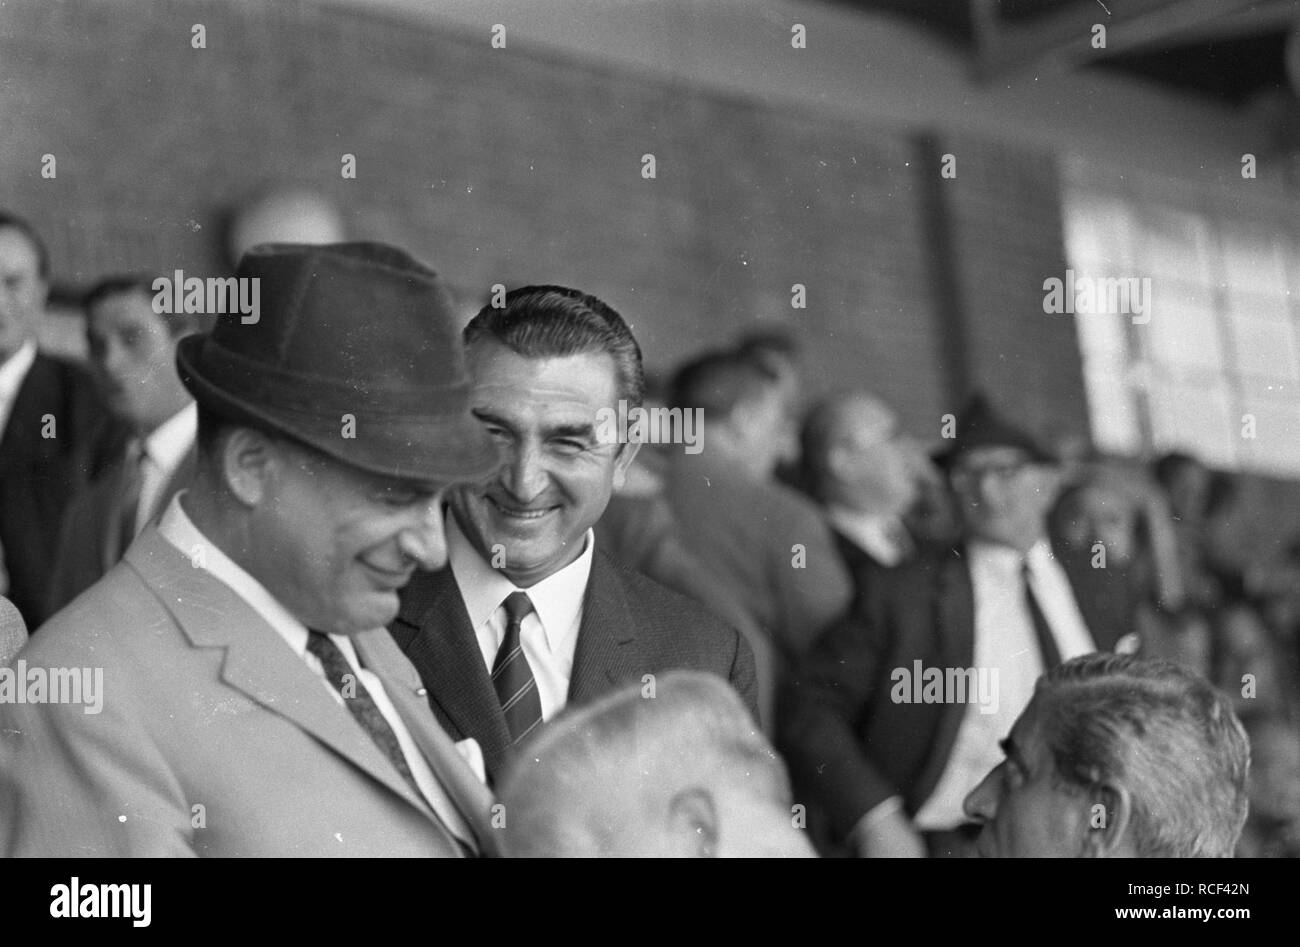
<point>357,332</point>
<point>979,425</point>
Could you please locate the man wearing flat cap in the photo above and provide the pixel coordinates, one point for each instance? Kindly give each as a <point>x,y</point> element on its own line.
<point>898,711</point>
<point>251,702</point>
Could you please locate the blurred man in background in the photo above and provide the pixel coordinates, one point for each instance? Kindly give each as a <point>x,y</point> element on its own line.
<point>1117,757</point>
<point>766,541</point>
<point>1273,826</point>
<point>133,353</point>
<point>52,424</point>
<point>857,468</point>
<point>778,353</point>
<point>884,770</point>
<point>674,767</point>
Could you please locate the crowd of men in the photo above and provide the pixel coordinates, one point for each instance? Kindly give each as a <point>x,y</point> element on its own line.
<point>352,580</point>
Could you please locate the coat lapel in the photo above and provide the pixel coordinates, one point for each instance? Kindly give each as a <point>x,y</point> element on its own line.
<point>606,651</point>
<point>380,653</point>
<point>109,520</point>
<point>258,662</point>
<point>433,629</point>
<point>954,624</point>
<point>39,394</point>
<point>1098,596</point>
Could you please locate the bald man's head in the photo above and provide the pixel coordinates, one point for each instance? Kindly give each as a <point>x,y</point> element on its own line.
<point>853,456</point>
<point>684,772</point>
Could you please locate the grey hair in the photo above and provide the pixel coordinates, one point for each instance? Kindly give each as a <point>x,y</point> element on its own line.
<point>1162,732</point>
<point>694,731</point>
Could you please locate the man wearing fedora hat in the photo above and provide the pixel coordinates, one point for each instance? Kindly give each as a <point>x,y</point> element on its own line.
<point>884,773</point>
<point>252,703</point>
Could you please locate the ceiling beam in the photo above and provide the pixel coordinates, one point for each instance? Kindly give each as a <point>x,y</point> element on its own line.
<point>1059,41</point>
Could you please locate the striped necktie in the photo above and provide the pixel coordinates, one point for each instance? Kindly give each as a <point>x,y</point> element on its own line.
<point>512,677</point>
<point>362,706</point>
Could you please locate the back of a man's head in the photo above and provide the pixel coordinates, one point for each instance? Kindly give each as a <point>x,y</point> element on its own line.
<point>675,766</point>
<point>742,406</point>
<point>1163,734</point>
<point>721,383</point>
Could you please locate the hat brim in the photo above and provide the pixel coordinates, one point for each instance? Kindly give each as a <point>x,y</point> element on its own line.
<point>434,447</point>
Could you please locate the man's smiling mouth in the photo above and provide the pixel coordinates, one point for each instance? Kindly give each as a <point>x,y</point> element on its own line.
<point>519,513</point>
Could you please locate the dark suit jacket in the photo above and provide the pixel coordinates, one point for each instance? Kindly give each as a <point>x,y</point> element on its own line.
<point>39,475</point>
<point>864,569</point>
<point>89,544</point>
<point>848,745</point>
<point>631,626</point>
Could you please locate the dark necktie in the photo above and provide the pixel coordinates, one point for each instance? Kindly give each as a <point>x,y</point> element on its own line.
<point>358,700</point>
<point>1042,630</point>
<point>123,524</point>
<point>511,675</point>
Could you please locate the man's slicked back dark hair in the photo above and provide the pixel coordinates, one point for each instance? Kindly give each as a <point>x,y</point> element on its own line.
<point>555,321</point>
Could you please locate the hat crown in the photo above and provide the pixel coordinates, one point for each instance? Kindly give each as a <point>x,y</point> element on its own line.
<point>979,426</point>
<point>354,350</point>
<point>357,316</point>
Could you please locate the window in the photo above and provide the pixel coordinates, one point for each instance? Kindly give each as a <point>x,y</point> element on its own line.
<point>1213,367</point>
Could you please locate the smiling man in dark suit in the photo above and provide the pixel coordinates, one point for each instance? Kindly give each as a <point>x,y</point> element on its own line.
<point>51,421</point>
<point>529,616</point>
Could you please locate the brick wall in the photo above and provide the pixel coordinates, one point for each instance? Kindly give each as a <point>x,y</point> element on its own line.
<point>511,166</point>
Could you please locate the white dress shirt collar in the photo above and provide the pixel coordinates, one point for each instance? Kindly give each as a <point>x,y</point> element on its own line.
<point>1008,558</point>
<point>167,443</point>
<point>557,599</point>
<point>164,452</point>
<point>875,534</point>
<point>178,529</point>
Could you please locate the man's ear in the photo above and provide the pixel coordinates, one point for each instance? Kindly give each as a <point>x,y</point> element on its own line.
<point>248,462</point>
<point>693,823</point>
<point>626,454</point>
<point>1109,823</point>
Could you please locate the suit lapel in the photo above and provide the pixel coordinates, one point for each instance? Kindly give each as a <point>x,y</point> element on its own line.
<point>258,662</point>
<point>1092,593</point>
<point>379,652</point>
<point>434,630</point>
<point>955,628</point>
<point>114,483</point>
<point>39,394</point>
<point>606,652</point>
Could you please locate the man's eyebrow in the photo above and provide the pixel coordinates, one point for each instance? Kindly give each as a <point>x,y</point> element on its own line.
<point>484,415</point>
<point>571,430</point>
<point>574,429</point>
